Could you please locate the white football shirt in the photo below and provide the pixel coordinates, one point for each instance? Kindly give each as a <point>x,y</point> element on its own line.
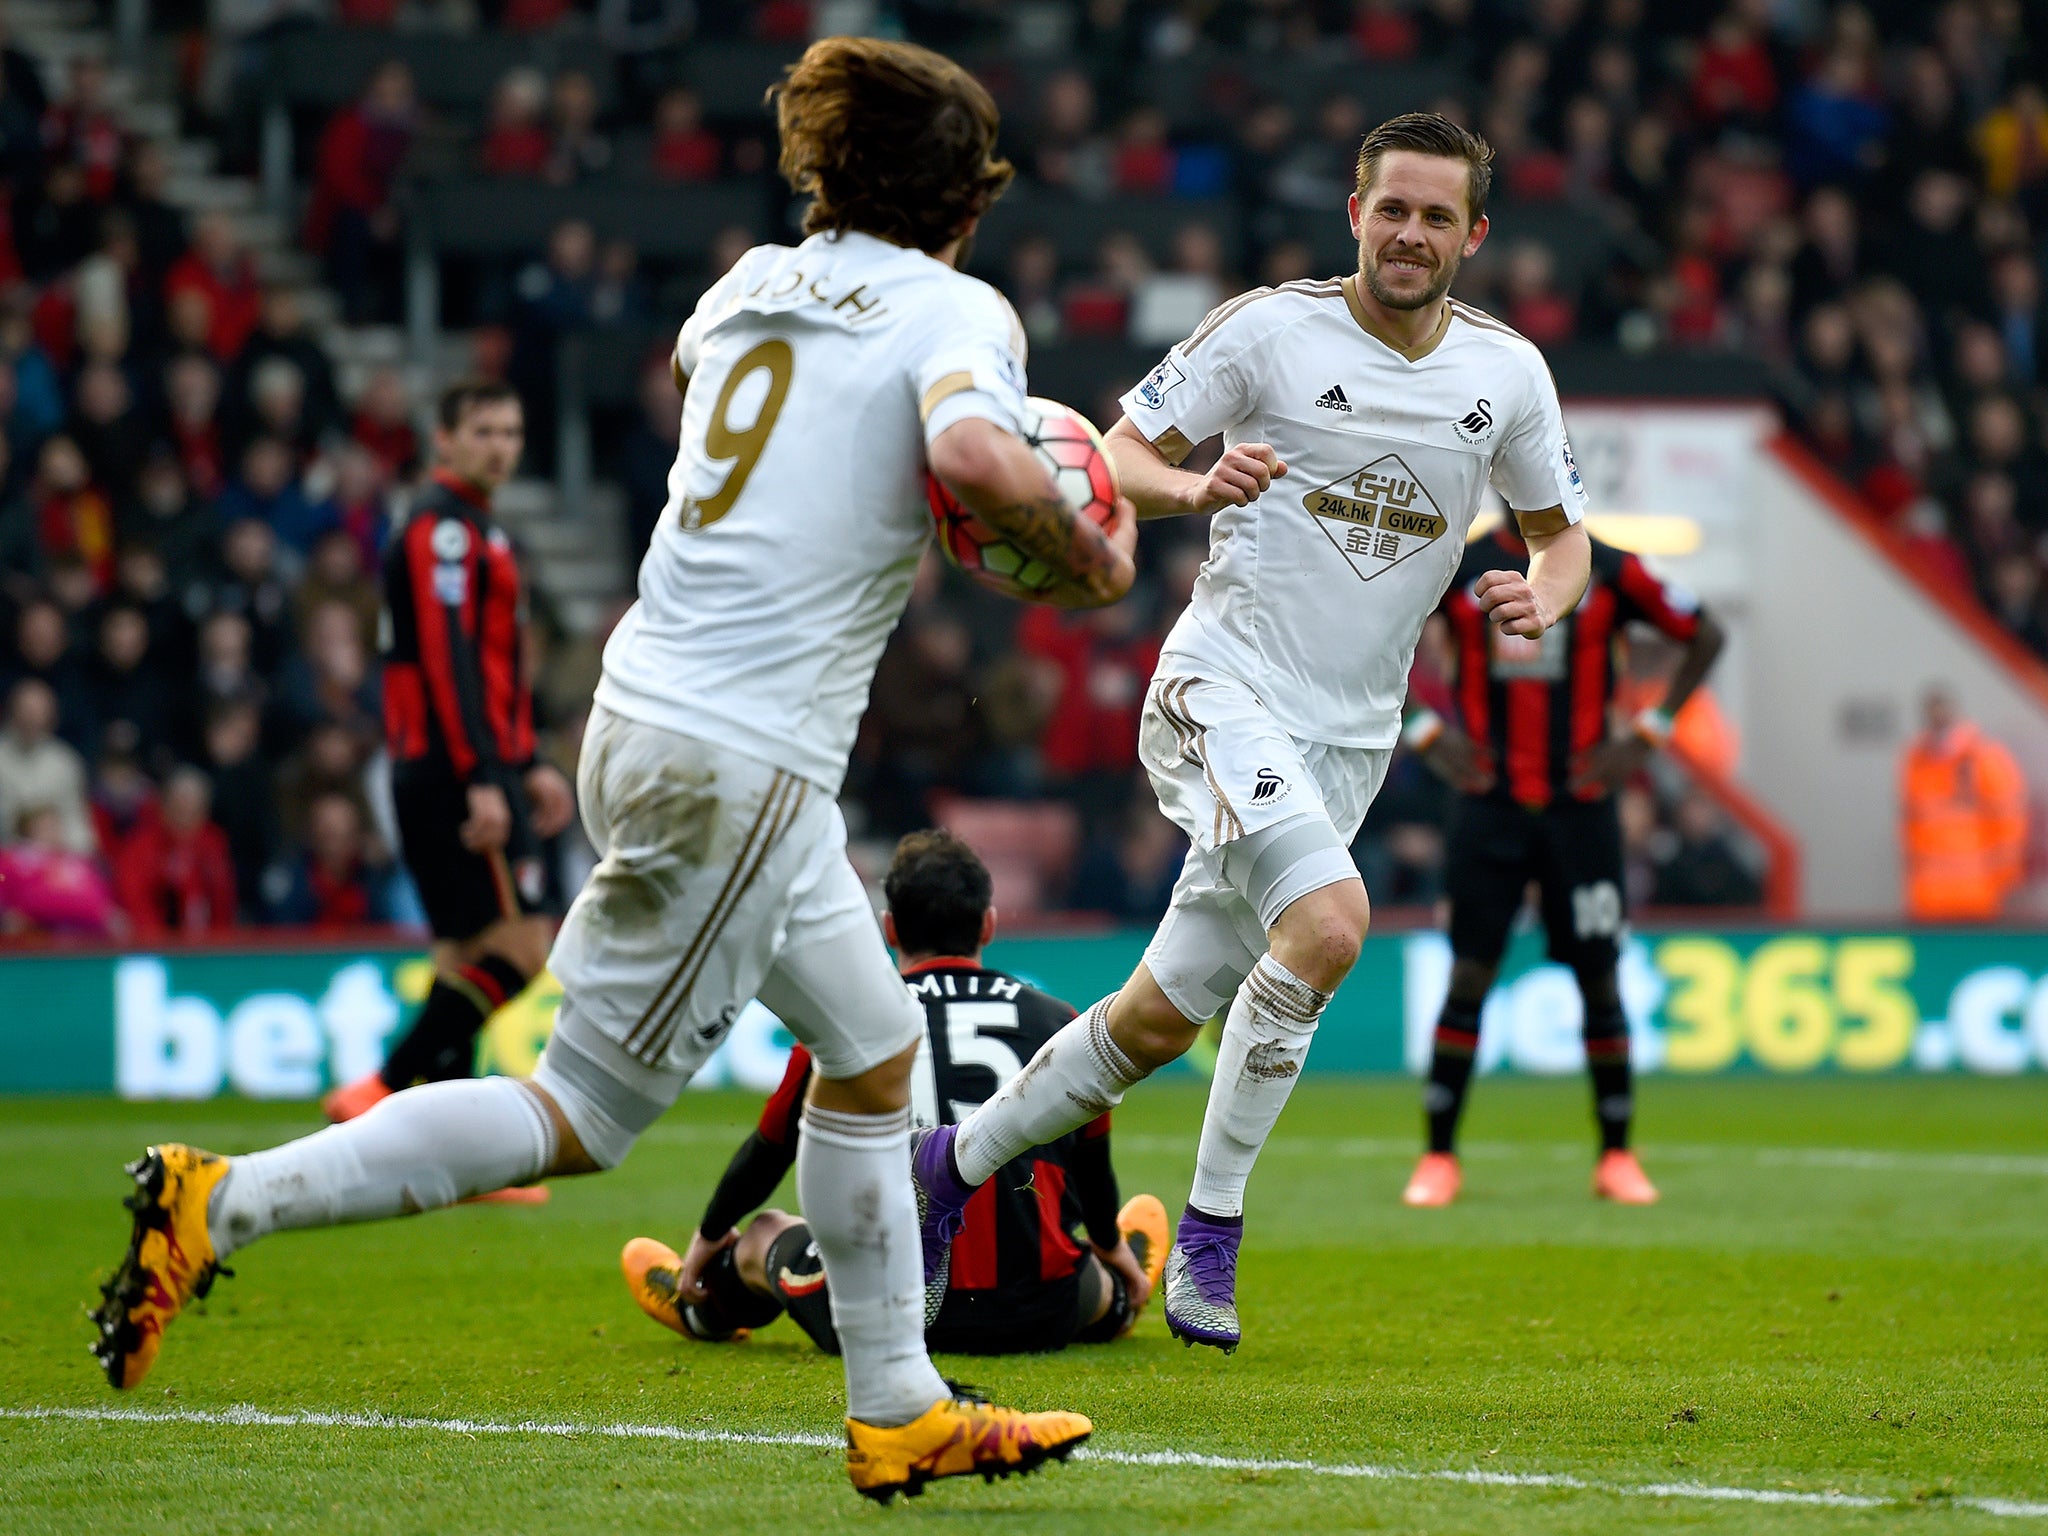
<point>1314,594</point>
<point>796,511</point>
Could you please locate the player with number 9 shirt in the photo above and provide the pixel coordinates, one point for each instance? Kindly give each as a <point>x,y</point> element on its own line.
<point>822,380</point>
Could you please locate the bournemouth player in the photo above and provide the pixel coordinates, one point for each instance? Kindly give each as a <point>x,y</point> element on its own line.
<point>1537,771</point>
<point>823,380</point>
<point>1362,420</point>
<point>458,723</point>
<point>1019,1282</point>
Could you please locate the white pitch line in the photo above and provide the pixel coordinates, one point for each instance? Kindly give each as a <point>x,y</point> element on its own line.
<point>242,1414</point>
<point>251,1417</point>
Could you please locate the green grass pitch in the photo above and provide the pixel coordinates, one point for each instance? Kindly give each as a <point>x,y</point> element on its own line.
<point>1845,1289</point>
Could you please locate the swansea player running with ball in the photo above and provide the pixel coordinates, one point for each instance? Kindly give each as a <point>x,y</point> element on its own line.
<point>1362,420</point>
<point>824,380</point>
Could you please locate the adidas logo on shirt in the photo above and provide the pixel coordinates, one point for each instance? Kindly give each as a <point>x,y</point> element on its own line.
<point>1333,400</point>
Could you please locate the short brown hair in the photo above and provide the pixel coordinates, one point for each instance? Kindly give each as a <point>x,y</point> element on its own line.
<point>1431,133</point>
<point>465,395</point>
<point>889,139</point>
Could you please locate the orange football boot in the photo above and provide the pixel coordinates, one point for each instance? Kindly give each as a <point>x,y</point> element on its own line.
<point>1620,1178</point>
<point>1144,1225</point>
<point>356,1098</point>
<point>1435,1181</point>
<point>516,1194</point>
<point>652,1269</point>
<point>170,1259</point>
<point>957,1436</point>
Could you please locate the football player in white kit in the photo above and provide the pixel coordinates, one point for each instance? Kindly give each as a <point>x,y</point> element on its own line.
<point>1362,420</point>
<point>822,379</point>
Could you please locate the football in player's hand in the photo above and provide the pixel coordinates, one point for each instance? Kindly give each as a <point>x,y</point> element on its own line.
<point>1067,443</point>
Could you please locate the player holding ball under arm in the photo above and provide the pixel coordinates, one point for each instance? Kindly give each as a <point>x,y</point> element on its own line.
<point>1362,421</point>
<point>823,379</point>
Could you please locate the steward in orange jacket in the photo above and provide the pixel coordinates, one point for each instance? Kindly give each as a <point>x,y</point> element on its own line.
<point>1962,819</point>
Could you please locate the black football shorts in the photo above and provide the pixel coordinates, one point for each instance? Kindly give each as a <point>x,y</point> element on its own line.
<point>463,892</point>
<point>1571,851</point>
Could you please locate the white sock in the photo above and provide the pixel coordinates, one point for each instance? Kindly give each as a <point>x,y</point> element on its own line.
<point>1265,1042</point>
<point>853,1177</point>
<point>416,1151</point>
<point>1078,1074</point>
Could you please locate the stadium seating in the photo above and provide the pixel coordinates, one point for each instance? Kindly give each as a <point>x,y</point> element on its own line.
<point>1685,230</point>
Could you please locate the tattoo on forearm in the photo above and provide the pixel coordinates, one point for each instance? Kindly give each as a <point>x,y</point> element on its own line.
<point>1047,529</point>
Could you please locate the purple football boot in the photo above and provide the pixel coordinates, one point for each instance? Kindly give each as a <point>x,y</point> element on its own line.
<point>941,1208</point>
<point>1201,1281</point>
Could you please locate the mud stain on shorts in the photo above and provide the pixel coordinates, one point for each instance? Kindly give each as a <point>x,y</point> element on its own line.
<point>662,833</point>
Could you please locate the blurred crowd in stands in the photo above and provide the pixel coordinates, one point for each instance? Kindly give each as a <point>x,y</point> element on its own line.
<point>191,503</point>
<point>1849,194</point>
<point>190,518</point>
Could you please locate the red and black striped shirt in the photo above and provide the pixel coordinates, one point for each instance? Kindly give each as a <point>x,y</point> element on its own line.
<point>1017,1244</point>
<point>1535,705</point>
<point>456,691</point>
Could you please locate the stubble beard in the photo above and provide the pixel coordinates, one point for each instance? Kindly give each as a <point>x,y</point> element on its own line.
<point>1369,269</point>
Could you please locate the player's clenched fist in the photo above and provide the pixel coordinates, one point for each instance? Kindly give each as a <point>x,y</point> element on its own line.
<point>1240,477</point>
<point>1509,601</point>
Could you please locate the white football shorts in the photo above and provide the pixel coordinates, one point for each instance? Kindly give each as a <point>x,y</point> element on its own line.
<point>721,878</point>
<point>1226,773</point>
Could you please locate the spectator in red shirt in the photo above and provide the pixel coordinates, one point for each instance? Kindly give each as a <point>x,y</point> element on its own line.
<point>1100,305</point>
<point>220,271</point>
<point>1383,32</point>
<point>1143,159</point>
<point>81,131</point>
<point>332,884</point>
<point>533,15</point>
<point>124,798</point>
<point>352,218</point>
<point>516,142</point>
<point>1533,305</point>
<point>1734,77</point>
<point>383,422</point>
<point>192,391</point>
<point>1105,659</point>
<point>684,149</point>
<point>174,874</point>
<point>74,519</point>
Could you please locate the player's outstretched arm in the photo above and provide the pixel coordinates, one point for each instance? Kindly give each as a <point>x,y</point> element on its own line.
<point>1002,483</point>
<point>1158,489</point>
<point>1560,564</point>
